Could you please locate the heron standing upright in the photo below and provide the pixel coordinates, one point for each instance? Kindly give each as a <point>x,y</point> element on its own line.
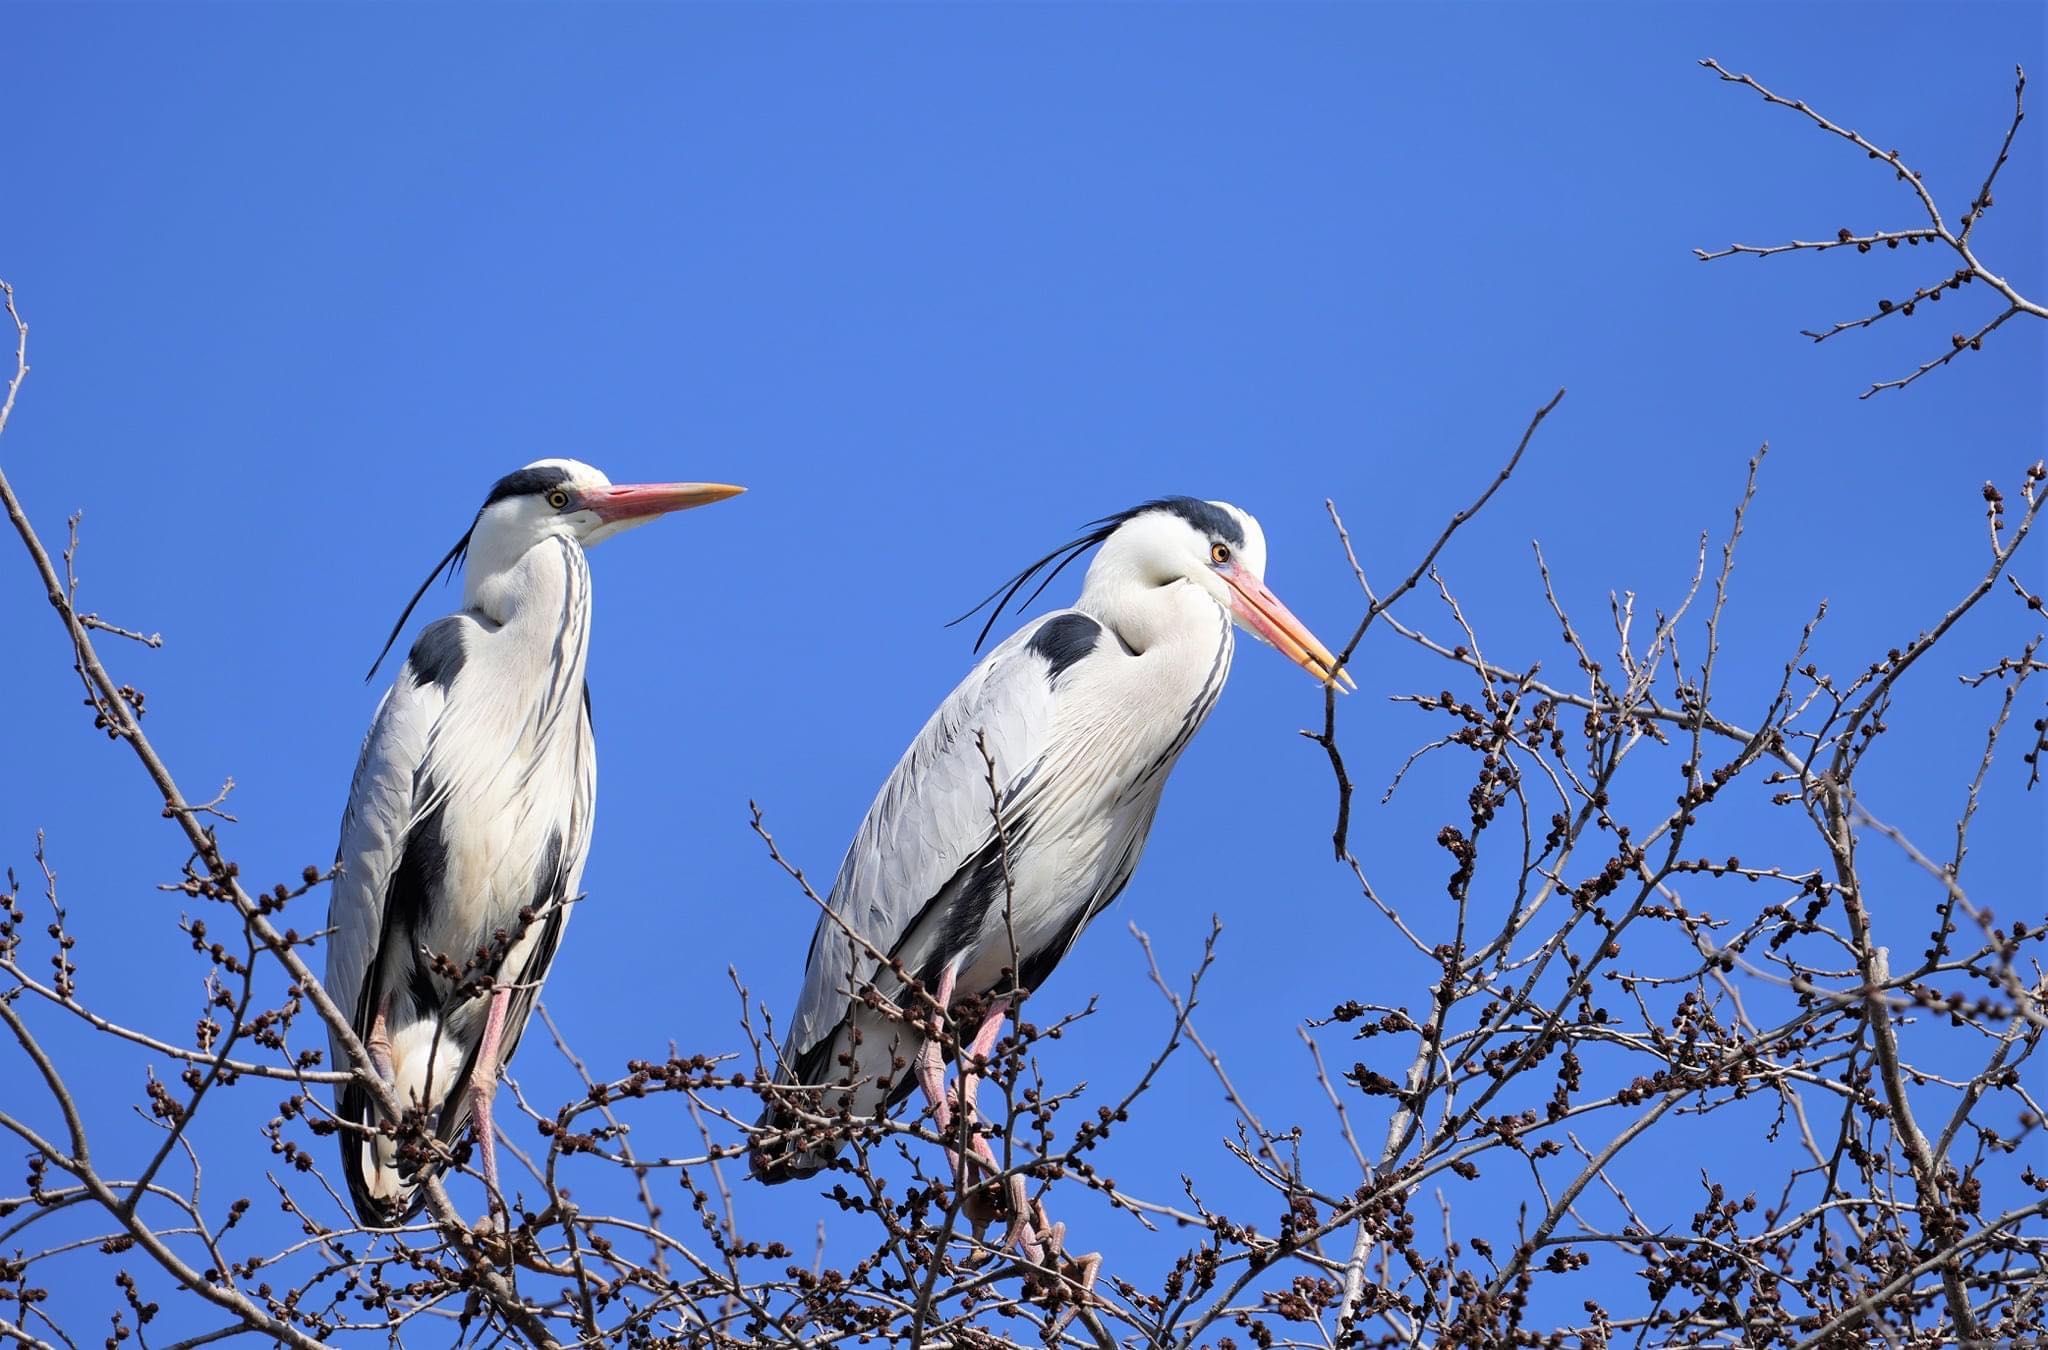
<point>468,823</point>
<point>1082,714</point>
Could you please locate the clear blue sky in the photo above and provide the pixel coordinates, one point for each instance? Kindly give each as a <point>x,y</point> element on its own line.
<point>939,284</point>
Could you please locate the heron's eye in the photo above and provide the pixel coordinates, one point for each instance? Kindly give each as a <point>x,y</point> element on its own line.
<point>1219,553</point>
<point>558,499</point>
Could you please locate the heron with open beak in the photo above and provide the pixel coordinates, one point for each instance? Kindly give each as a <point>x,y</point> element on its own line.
<point>468,823</point>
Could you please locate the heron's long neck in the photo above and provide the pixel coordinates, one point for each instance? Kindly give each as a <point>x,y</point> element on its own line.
<point>542,602</point>
<point>1147,616</point>
<point>1181,643</point>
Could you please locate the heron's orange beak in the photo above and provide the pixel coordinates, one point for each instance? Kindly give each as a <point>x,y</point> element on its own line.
<point>642,501</point>
<point>1261,611</point>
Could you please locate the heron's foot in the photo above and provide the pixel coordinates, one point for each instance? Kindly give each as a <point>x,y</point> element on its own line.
<point>988,1201</point>
<point>494,1236</point>
<point>1062,1282</point>
<point>495,1209</point>
<point>1027,1234</point>
<point>1010,1201</point>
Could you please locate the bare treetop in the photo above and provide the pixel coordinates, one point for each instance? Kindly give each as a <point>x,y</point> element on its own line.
<point>1936,231</point>
<point>1709,1045</point>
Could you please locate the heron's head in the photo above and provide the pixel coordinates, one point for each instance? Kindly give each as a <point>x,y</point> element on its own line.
<point>555,498</point>
<point>552,497</point>
<point>1174,550</point>
<point>1220,551</point>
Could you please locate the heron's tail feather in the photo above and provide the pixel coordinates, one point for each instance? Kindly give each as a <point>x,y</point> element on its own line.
<point>385,1164</point>
<point>858,1072</point>
<point>381,1184</point>
<point>781,1149</point>
<point>776,1160</point>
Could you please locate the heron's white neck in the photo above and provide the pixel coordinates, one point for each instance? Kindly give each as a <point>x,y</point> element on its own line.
<point>538,583</point>
<point>1146,608</point>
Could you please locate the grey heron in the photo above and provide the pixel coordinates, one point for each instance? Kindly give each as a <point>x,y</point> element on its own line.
<point>1082,714</point>
<point>469,820</point>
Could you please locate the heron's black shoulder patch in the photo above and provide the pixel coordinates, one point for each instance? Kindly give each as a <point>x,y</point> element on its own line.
<point>526,482</point>
<point>1064,639</point>
<point>437,655</point>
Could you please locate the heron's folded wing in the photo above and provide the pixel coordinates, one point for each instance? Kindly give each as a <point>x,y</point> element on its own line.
<point>932,817</point>
<point>373,833</point>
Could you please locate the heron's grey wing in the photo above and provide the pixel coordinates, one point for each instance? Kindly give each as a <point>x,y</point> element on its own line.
<point>931,819</point>
<point>374,827</point>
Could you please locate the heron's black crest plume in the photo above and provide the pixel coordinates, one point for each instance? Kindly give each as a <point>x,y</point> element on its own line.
<point>1195,511</point>
<point>1065,554</point>
<point>451,565</point>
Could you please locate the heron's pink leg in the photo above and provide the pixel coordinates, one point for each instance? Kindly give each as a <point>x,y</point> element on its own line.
<point>976,1051</point>
<point>931,1065</point>
<point>1031,1231</point>
<point>984,1041</point>
<point>1023,1233</point>
<point>483,1085</point>
<point>378,1042</point>
<point>931,1076</point>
